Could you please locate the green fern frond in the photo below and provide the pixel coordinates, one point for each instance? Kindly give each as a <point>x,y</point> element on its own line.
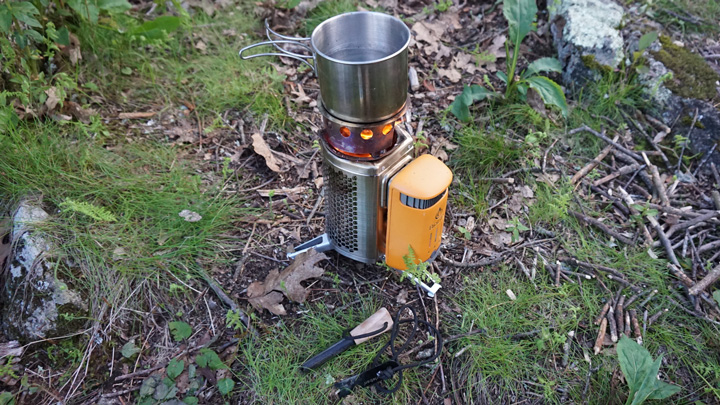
<point>93,211</point>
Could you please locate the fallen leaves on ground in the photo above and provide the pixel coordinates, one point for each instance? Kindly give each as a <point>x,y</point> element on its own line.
<point>261,148</point>
<point>269,294</point>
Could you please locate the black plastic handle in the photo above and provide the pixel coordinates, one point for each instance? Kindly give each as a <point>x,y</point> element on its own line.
<point>327,354</point>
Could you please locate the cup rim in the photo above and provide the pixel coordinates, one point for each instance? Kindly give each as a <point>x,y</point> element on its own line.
<point>396,20</point>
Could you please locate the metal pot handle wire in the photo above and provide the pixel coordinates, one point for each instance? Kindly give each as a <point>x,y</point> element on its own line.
<point>295,41</point>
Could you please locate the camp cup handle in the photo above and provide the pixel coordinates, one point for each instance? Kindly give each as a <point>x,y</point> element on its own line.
<point>287,54</point>
<point>283,39</point>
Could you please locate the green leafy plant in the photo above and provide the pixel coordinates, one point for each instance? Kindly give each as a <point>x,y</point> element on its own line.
<point>180,330</point>
<point>208,358</point>
<point>129,349</point>
<point>515,226</point>
<point>417,270</point>
<point>225,385</point>
<point>641,373</point>
<point>93,211</point>
<point>520,15</point>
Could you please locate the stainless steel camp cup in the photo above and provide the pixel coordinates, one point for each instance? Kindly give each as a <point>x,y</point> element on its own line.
<point>360,60</point>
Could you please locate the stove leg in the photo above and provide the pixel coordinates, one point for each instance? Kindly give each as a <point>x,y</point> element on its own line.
<point>431,291</point>
<point>321,243</point>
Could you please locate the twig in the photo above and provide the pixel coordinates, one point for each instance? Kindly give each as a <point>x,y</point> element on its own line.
<point>712,276</point>
<point>705,159</point>
<point>484,262</point>
<point>623,171</point>
<point>593,164</point>
<point>601,226</point>
<point>630,203</point>
<point>636,326</point>
<point>664,240</point>
<point>687,224</point>
<point>603,312</point>
<point>601,336</point>
<point>656,316</point>
<point>229,302</point>
<point>715,173</point>
<point>657,182</point>
<point>619,314</point>
<point>604,269</point>
<point>608,140</point>
<point>121,393</point>
<point>613,325</point>
<point>652,294</point>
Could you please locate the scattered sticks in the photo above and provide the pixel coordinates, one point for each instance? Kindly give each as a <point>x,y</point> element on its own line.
<point>601,226</point>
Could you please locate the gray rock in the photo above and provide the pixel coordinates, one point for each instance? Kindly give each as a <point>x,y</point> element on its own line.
<point>36,302</point>
<point>586,31</point>
<point>706,131</point>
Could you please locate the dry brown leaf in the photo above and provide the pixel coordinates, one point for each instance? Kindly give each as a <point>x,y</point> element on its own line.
<point>200,45</point>
<point>500,239</point>
<point>466,62</point>
<point>286,70</point>
<point>269,294</point>
<point>11,348</point>
<point>52,98</point>
<point>77,111</point>
<point>262,149</point>
<point>451,18</point>
<point>135,115</point>
<point>301,96</point>
<point>452,74</point>
<point>72,51</point>
<point>497,47</point>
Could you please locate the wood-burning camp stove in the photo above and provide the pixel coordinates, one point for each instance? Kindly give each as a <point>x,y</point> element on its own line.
<point>381,204</point>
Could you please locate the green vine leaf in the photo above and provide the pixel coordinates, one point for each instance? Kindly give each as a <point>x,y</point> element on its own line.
<point>225,385</point>
<point>175,368</point>
<point>180,330</point>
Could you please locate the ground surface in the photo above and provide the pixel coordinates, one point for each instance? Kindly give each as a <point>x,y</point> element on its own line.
<point>194,149</point>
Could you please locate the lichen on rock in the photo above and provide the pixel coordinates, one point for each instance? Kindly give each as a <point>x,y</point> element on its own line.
<point>36,302</point>
<point>587,37</point>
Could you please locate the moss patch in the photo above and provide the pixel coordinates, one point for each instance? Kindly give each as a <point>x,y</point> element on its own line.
<point>590,62</point>
<point>692,77</point>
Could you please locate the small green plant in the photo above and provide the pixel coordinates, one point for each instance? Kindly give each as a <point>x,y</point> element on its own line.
<point>515,226</point>
<point>180,330</point>
<point>465,233</point>
<point>93,211</point>
<point>641,373</point>
<point>417,270</point>
<point>520,15</point>
<point>232,319</point>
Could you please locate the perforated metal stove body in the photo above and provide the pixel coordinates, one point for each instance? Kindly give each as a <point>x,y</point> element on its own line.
<point>356,199</point>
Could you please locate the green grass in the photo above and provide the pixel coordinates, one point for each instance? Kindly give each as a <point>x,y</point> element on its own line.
<point>684,14</point>
<point>171,72</point>
<point>143,185</point>
<point>495,363</point>
<point>325,10</point>
<point>271,364</point>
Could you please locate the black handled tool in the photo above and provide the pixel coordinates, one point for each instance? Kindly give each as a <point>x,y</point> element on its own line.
<point>375,325</point>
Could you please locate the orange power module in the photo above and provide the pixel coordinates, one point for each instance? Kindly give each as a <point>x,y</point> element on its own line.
<point>417,199</point>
